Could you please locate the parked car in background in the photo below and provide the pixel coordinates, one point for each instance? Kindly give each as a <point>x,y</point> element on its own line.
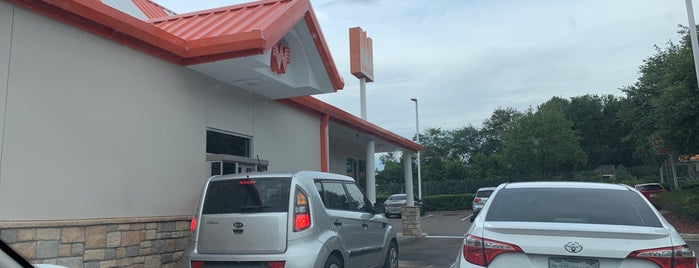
<point>481,197</point>
<point>288,220</point>
<point>650,191</point>
<point>571,224</point>
<point>397,201</point>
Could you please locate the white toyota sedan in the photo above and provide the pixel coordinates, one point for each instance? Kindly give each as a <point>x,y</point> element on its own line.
<point>572,225</point>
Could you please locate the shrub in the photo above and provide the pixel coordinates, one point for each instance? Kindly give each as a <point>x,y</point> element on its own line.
<point>684,203</point>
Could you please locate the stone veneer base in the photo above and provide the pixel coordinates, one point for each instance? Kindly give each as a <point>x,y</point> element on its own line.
<point>100,243</point>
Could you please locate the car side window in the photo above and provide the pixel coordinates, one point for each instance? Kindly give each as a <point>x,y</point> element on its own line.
<point>335,195</point>
<point>356,199</point>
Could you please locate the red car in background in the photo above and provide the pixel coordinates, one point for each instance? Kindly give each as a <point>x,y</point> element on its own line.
<point>650,191</point>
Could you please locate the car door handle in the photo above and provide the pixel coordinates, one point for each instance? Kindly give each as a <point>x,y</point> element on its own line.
<point>337,223</point>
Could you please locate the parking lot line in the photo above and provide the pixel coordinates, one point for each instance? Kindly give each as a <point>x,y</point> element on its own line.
<point>466,217</point>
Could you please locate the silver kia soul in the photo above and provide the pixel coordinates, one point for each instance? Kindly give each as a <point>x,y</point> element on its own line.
<point>288,220</point>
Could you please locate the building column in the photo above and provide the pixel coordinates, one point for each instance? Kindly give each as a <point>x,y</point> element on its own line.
<point>410,214</point>
<point>370,171</point>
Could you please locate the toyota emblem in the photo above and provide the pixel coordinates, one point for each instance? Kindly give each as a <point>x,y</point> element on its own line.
<point>573,247</point>
<point>238,225</point>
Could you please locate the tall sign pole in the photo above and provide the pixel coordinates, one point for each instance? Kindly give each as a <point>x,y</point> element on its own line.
<point>362,66</point>
<point>693,36</point>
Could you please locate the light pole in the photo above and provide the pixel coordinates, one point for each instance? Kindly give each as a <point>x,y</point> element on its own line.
<point>693,36</point>
<point>417,131</point>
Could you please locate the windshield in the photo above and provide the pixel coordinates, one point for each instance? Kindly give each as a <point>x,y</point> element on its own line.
<point>591,206</point>
<point>650,187</point>
<point>484,193</point>
<point>247,196</point>
<point>396,198</point>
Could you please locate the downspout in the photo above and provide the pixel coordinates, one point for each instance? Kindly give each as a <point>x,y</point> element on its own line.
<point>324,143</point>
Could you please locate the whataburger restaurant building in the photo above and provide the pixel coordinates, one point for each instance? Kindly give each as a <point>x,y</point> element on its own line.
<point>115,112</point>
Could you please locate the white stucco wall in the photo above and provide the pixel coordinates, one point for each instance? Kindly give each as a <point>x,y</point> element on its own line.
<point>288,138</point>
<point>5,32</point>
<point>94,129</point>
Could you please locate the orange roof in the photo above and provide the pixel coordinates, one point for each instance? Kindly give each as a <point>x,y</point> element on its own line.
<point>319,108</point>
<point>151,9</point>
<point>226,33</point>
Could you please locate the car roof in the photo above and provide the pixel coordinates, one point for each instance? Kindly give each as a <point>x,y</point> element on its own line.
<point>298,174</point>
<point>486,188</point>
<point>566,184</point>
<point>646,184</point>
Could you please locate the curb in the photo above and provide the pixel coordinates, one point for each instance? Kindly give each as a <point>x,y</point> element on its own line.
<point>690,237</point>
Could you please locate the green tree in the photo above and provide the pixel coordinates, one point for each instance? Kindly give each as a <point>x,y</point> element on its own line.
<point>541,143</point>
<point>392,170</point>
<point>491,133</point>
<point>596,121</point>
<point>664,102</point>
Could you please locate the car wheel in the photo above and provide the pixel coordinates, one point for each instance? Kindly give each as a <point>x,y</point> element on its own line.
<point>333,262</point>
<point>391,260</point>
<point>388,215</point>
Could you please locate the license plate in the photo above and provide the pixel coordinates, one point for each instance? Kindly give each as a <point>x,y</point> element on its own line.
<point>573,263</point>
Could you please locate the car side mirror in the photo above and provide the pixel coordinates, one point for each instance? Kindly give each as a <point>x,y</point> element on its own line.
<point>379,208</point>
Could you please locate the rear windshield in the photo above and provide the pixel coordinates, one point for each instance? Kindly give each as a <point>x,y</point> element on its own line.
<point>593,206</point>
<point>396,197</point>
<point>649,187</point>
<point>247,196</point>
<point>484,193</point>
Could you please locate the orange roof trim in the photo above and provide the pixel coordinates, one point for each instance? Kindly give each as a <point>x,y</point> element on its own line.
<point>319,108</point>
<point>198,37</point>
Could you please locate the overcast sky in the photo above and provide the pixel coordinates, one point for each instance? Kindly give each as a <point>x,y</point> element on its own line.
<point>464,58</point>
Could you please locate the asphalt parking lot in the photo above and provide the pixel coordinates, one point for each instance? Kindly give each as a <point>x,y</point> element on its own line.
<point>438,248</point>
<point>443,236</point>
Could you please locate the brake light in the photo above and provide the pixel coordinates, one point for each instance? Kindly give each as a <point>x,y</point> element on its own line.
<point>247,182</point>
<point>682,256</point>
<point>276,264</point>
<point>193,224</point>
<point>271,264</point>
<point>302,212</point>
<point>481,251</point>
<point>476,200</point>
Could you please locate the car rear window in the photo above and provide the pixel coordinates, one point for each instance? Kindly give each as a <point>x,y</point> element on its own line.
<point>650,187</point>
<point>397,197</point>
<point>484,193</point>
<point>592,206</point>
<point>257,195</point>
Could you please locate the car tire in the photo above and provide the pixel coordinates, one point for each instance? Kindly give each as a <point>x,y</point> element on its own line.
<point>333,262</point>
<point>387,215</point>
<point>391,260</point>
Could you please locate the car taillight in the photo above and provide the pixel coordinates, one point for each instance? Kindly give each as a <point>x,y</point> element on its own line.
<point>476,200</point>
<point>481,251</point>
<point>681,256</point>
<point>271,264</point>
<point>302,212</point>
<point>193,224</point>
<point>276,264</point>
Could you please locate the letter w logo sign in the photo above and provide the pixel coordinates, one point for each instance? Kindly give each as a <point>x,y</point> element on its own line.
<point>281,58</point>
